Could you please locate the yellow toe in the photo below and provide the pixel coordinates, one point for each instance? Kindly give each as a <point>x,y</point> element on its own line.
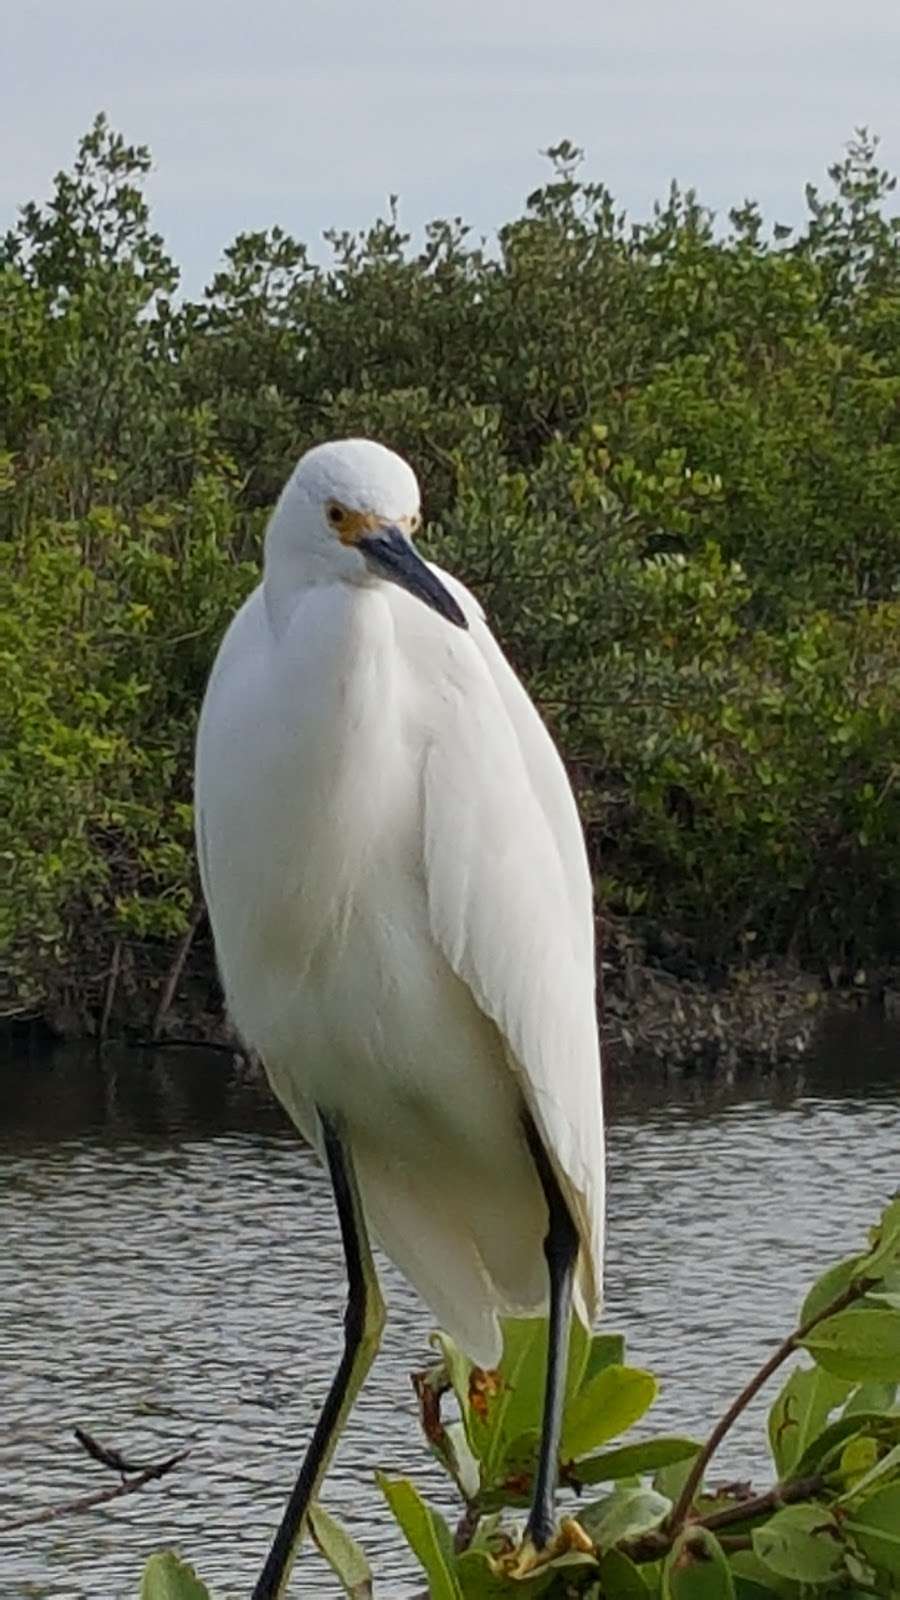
<point>575,1537</point>
<point>570,1535</point>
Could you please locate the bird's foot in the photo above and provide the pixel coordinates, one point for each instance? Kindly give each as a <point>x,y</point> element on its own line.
<point>528,1558</point>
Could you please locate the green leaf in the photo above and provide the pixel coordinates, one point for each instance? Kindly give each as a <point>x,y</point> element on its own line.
<point>825,1450</point>
<point>459,1368</point>
<point>878,1469</point>
<point>859,1344</point>
<point>884,1297</point>
<point>478,1580</point>
<point>460,1459</point>
<point>514,1473</point>
<point>506,1403</point>
<point>343,1554</point>
<point>571,1561</point>
<point>605,1406</point>
<point>672,1479</point>
<point>485,1533</point>
<point>427,1535</point>
<point>696,1568</point>
<point>857,1458</point>
<point>800,1412</point>
<point>632,1459</point>
<point>605,1350</point>
<point>752,1579</point>
<point>581,1343</point>
<point>452,1443</point>
<point>870,1397</point>
<point>802,1543</point>
<point>884,1255</point>
<point>620,1577</point>
<point>827,1288</point>
<point>624,1514</point>
<point>875,1527</point>
<point>505,1406</point>
<point>167,1577</point>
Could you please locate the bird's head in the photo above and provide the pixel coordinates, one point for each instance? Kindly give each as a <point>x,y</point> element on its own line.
<point>349,513</point>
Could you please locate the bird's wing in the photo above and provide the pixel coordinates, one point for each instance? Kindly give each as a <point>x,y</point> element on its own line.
<point>510,906</point>
<point>218,730</point>
<point>546,771</point>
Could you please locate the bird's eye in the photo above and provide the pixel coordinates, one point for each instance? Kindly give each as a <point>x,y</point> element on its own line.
<point>336,515</point>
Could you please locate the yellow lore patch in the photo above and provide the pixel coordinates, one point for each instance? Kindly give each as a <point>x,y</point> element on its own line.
<point>351,526</point>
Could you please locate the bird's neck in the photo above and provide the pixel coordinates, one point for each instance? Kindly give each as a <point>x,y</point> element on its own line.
<point>291,581</point>
<point>296,567</point>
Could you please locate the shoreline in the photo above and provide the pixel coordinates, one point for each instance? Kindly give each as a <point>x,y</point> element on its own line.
<point>753,1015</point>
<point>667,1015</point>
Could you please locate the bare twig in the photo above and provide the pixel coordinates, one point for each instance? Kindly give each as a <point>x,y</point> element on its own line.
<point>106,1455</point>
<point>111,985</point>
<point>759,1505</point>
<point>651,1546</point>
<point>176,969</point>
<point>130,1482</point>
<point>466,1529</point>
<point>854,1291</point>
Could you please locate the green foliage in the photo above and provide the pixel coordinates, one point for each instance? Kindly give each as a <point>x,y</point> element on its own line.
<point>828,1520</point>
<point>802,1543</point>
<point>800,1413</point>
<point>168,1578</point>
<point>859,1345</point>
<point>667,458</point>
<point>104,637</point>
<point>427,1535</point>
<point>697,1569</point>
<point>500,1424</point>
<point>829,1526</point>
<point>875,1529</point>
<point>342,1553</point>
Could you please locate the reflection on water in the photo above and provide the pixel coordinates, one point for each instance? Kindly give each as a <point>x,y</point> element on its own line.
<point>170,1273</point>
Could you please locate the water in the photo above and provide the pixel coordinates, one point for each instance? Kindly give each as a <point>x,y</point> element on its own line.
<point>170,1275</point>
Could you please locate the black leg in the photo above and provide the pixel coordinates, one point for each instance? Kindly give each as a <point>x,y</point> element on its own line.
<point>363,1324</point>
<point>561,1251</point>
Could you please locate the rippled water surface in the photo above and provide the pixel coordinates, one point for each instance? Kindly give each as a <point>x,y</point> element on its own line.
<point>170,1275</point>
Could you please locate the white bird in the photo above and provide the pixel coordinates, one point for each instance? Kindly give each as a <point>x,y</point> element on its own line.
<point>401,905</point>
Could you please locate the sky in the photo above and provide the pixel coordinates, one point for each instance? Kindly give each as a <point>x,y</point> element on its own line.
<point>311,113</point>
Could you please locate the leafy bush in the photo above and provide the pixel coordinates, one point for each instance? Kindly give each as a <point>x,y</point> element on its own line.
<point>830,1525</point>
<point>105,643</point>
<point>666,456</point>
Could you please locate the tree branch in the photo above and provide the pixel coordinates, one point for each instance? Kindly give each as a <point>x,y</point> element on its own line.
<point>758,1505</point>
<point>176,969</point>
<point>131,1481</point>
<point>651,1546</point>
<point>111,984</point>
<point>854,1291</point>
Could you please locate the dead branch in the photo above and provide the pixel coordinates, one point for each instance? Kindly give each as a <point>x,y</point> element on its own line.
<point>132,1479</point>
<point>108,1456</point>
<point>111,985</point>
<point>176,969</point>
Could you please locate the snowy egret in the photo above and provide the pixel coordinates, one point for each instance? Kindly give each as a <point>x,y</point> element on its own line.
<point>400,899</point>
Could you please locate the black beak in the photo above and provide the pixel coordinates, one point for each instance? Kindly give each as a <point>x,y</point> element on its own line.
<point>392,556</point>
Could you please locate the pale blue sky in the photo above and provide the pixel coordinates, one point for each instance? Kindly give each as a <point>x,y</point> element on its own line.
<point>310,113</point>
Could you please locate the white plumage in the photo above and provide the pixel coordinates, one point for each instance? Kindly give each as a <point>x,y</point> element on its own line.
<point>400,898</point>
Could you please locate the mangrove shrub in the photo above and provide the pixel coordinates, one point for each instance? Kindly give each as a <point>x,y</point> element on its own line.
<point>665,454</point>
